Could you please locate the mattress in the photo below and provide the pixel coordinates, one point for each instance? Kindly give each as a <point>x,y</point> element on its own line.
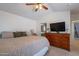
<point>22,46</point>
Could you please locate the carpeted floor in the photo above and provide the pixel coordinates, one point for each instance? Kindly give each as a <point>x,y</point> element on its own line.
<point>54,51</point>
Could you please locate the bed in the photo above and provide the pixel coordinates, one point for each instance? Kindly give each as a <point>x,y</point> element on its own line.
<point>24,46</point>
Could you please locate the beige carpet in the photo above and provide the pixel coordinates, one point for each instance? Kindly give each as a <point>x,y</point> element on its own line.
<point>54,51</point>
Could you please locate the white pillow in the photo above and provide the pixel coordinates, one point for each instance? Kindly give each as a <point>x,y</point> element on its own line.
<point>7,35</point>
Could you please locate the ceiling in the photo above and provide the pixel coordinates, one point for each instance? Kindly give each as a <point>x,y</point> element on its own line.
<point>26,11</point>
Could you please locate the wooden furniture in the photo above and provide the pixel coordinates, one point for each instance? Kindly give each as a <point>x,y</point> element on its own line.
<point>59,40</point>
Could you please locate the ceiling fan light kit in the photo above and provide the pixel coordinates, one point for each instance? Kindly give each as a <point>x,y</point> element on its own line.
<point>38,6</point>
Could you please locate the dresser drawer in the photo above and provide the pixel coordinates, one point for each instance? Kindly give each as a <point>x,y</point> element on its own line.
<point>59,40</point>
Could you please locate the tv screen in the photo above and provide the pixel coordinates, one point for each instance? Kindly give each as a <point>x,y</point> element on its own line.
<point>57,26</point>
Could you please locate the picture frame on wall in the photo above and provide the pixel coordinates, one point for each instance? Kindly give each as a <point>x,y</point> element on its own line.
<point>43,27</point>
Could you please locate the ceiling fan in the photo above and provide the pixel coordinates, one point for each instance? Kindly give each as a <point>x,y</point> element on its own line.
<point>38,6</point>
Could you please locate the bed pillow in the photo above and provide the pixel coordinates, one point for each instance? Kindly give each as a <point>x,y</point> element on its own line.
<point>7,35</point>
<point>0,36</point>
<point>19,34</point>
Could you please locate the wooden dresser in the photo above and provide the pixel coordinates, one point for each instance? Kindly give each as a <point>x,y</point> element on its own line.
<point>61,40</point>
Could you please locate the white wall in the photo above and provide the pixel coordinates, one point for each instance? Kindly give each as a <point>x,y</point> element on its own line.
<point>74,16</point>
<point>12,22</point>
<point>56,17</point>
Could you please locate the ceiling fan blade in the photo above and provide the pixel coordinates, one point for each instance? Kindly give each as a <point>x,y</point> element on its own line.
<point>30,3</point>
<point>46,8</point>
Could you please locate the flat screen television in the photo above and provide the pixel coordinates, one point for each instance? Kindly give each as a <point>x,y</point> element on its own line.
<point>58,27</point>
